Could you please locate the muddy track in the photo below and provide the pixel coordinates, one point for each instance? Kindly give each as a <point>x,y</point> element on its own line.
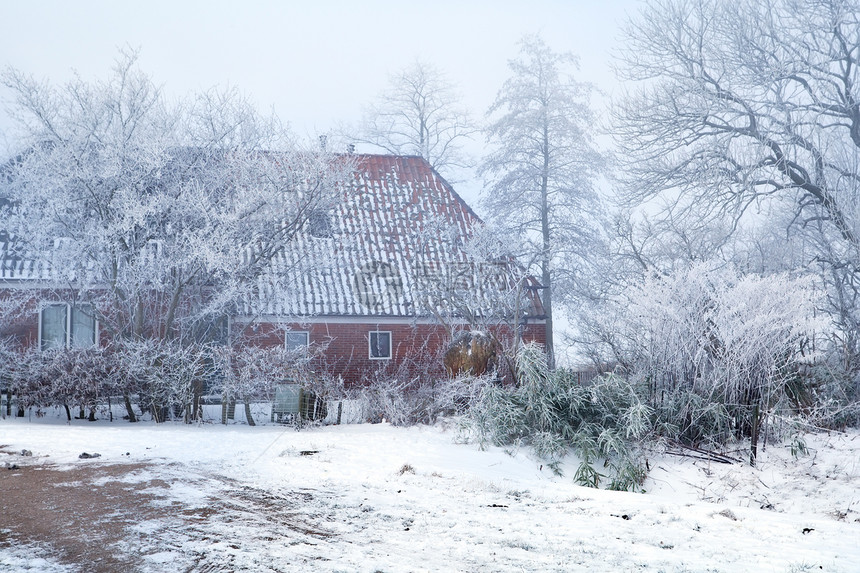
<point>87,514</point>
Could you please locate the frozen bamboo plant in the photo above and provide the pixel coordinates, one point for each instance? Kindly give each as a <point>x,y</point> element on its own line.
<point>552,412</point>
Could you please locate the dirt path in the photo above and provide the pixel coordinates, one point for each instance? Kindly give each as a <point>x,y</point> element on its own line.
<point>82,523</point>
<point>111,518</point>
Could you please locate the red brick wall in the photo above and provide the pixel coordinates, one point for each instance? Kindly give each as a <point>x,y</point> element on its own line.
<point>23,329</point>
<point>345,345</point>
<point>415,348</point>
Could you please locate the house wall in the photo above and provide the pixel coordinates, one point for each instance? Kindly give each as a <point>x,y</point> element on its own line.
<point>416,348</point>
<point>22,328</point>
<point>20,323</point>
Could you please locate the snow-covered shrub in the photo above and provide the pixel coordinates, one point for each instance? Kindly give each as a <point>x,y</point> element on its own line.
<point>168,378</point>
<point>8,358</point>
<point>552,412</point>
<point>717,353</point>
<point>176,379</point>
<point>15,376</point>
<point>830,398</point>
<point>418,400</point>
<point>84,378</point>
<point>251,374</point>
<point>79,376</point>
<point>416,390</point>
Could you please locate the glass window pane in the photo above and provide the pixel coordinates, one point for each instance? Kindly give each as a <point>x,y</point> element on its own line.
<point>380,345</point>
<point>53,327</point>
<point>297,340</point>
<point>83,327</point>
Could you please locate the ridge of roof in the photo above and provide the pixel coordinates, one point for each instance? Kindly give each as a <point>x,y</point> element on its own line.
<point>413,157</point>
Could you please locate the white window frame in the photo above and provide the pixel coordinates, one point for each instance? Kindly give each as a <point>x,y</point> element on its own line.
<point>307,339</point>
<point>68,326</point>
<point>370,344</point>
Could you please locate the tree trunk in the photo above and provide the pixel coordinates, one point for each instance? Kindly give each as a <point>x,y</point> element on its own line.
<point>228,409</point>
<point>756,423</point>
<point>128,408</point>
<point>175,299</point>
<point>138,319</point>
<point>248,416</point>
<point>546,255</point>
<point>547,306</point>
<point>68,412</point>
<point>196,400</point>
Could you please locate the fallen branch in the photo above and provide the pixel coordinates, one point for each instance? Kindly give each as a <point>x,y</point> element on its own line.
<point>701,454</point>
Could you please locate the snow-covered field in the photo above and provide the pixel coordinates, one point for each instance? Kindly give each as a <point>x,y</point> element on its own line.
<point>375,498</point>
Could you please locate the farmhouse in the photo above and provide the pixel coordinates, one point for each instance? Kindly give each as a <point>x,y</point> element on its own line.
<point>381,278</point>
<point>380,271</point>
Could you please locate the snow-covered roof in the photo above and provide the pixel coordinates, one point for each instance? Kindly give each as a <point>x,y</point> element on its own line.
<point>397,233</point>
<point>15,266</point>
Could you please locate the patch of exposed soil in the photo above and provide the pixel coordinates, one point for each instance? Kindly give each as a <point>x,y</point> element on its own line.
<point>87,514</point>
<point>82,522</point>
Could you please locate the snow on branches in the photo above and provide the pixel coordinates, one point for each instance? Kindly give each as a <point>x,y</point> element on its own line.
<point>158,216</point>
<point>717,351</point>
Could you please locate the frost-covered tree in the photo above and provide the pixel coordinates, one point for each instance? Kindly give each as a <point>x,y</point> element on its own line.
<point>543,167</point>
<point>747,110</point>
<point>717,353</point>
<point>419,114</point>
<point>156,217</point>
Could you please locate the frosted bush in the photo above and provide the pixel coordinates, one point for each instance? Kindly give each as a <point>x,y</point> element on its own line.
<point>718,353</point>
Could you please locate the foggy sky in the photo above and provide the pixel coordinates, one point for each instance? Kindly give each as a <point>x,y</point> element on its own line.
<point>314,63</point>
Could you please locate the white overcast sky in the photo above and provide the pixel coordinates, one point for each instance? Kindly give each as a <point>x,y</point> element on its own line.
<point>316,63</point>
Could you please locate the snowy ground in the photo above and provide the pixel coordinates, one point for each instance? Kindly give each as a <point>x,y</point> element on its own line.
<point>375,498</point>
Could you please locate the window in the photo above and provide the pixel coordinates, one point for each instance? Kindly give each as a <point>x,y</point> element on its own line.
<point>53,327</point>
<point>212,329</point>
<point>66,326</point>
<point>319,224</point>
<point>297,340</point>
<point>380,345</point>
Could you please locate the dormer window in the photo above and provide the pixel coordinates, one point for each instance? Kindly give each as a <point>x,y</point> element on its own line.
<point>319,224</point>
